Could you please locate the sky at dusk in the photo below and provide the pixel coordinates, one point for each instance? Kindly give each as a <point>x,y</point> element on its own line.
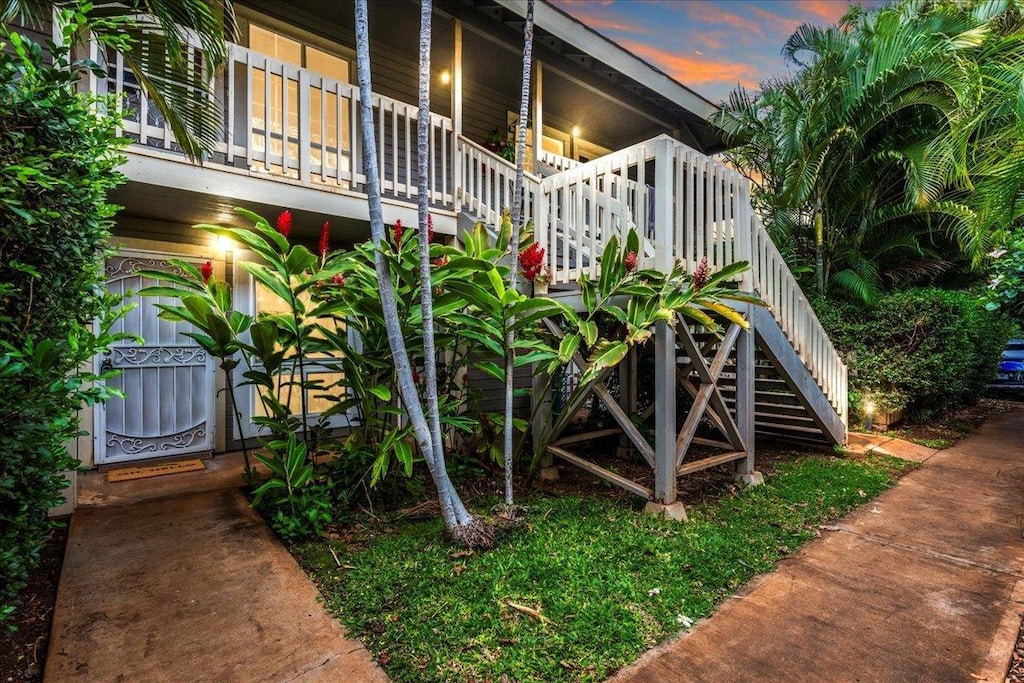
<point>708,45</point>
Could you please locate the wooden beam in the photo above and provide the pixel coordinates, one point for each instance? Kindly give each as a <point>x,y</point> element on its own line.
<point>601,472</point>
<point>587,436</point>
<point>704,463</point>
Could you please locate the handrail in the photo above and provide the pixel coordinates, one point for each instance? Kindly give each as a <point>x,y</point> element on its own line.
<point>499,160</point>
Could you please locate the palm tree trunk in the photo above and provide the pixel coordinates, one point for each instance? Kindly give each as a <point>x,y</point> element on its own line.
<point>423,204</point>
<point>517,220</point>
<point>452,509</point>
<point>819,251</point>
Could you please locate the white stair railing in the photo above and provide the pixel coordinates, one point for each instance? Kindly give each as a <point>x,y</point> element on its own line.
<point>699,208</point>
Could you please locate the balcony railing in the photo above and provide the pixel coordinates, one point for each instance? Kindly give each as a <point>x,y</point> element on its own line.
<point>285,121</point>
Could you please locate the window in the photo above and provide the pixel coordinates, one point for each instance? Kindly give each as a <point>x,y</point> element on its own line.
<point>275,111</point>
<point>255,298</point>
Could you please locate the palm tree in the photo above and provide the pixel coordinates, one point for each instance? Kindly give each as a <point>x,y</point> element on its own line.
<point>459,522</point>
<point>872,159</point>
<point>517,220</point>
<point>153,36</point>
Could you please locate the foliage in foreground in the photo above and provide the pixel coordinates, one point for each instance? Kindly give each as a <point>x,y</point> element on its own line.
<point>920,350</point>
<point>895,153</point>
<point>332,298</point>
<point>57,161</point>
<point>611,581</point>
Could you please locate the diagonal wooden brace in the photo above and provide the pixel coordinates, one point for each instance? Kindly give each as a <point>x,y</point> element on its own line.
<point>597,387</point>
<point>709,392</point>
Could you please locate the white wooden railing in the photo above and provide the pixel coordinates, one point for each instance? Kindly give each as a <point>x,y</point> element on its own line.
<point>485,182</point>
<point>556,161</point>
<point>780,291</point>
<point>287,121</point>
<point>697,208</point>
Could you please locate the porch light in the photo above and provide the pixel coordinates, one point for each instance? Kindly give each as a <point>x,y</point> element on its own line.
<point>575,131</point>
<point>446,77</point>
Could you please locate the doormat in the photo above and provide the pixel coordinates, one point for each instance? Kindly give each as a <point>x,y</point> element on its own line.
<point>129,473</point>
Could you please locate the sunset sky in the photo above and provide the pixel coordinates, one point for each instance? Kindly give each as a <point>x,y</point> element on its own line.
<point>708,45</point>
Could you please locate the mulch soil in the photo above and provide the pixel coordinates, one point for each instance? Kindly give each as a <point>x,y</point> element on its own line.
<point>23,652</point>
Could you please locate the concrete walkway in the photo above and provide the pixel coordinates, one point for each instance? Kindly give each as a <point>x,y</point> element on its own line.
<point>192,588</point>
<point>923,584</point>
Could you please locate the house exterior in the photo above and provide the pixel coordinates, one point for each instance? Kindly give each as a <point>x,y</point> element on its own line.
<point>613,143</point>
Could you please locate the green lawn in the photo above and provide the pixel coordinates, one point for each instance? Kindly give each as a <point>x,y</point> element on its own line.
<point>612,581</point>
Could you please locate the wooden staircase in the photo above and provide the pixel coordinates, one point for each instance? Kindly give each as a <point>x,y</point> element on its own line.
<point>784,380</point>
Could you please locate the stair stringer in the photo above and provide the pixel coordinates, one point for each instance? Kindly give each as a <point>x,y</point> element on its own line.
<point>779,350</point>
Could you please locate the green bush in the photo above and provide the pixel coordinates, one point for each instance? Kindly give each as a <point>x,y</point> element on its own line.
<point>58,158</point>
<point>918,350</point>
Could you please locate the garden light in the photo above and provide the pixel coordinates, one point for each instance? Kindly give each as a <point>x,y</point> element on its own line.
<point>869,412</point>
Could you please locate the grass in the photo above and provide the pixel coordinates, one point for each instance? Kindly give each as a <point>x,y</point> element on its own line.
<point>612,581</point>
<point>933,443</point>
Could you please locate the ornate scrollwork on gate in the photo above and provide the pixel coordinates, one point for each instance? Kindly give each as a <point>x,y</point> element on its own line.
<point>133,445</point>
<point>126,266</point>
<point>138,356</point>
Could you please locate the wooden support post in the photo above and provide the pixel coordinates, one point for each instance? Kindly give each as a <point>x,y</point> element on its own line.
<point>665,413</point>
<point>745,373</point>
<point>538,113</point>
<point>625,381</point>
<point>541,409</point>
<point>745,397</point>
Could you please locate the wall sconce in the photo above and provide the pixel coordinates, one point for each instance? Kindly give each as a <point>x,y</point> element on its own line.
<point>575,131</point>
<point>869,414</point>
<point>446,77</point>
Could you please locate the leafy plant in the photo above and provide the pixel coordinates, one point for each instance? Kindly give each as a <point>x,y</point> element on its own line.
<point>58,158</point>
<point>918,351</point>
<point>894,153</point>
<point>621,308</point>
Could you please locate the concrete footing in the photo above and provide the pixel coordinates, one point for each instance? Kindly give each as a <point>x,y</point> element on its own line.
<point>548,473</point>
<point>750,479</point>
<point>674,511</point>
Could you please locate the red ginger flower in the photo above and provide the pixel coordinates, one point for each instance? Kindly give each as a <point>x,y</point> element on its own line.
<point>439,261</point>
<point>630,262</point>
<point>284,222</point>
<point>338,279</point>
<point>531,260</point>
<point>701,275</point>
<point>397,232</point>
<point>207,271</point>
<point>325,238</point>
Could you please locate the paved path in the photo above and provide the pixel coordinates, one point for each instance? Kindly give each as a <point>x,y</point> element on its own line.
<point>192,588</point>
<point>923,584</point>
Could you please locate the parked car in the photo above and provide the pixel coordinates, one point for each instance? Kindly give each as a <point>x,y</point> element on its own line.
<point>1011,369</point>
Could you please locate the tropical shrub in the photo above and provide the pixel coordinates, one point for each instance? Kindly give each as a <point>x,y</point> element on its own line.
<point>334,318</point>
<point>1005,291</point>
<point>58,159</point>
<point>918,351</point>
<point>894,152</point>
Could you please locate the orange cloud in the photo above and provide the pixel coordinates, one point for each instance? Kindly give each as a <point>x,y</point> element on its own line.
<point>830,11</point>
<point>581,12</point>
<point>777,23</point>
<point>690,70</point>
<point>710,13</point>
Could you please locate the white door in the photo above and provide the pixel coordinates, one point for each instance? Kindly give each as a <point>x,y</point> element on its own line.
<point>168,381</point>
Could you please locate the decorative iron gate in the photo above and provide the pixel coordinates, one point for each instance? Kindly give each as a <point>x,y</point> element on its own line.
<point>168,381</point>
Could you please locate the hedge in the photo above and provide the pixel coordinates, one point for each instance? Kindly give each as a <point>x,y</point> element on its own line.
<point>919,351</point>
